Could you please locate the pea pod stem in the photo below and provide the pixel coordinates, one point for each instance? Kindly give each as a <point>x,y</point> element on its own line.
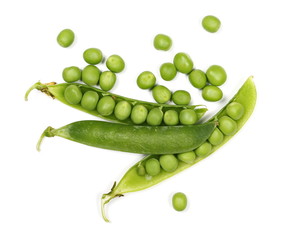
<point>48,132</point>
<point>41,87</point>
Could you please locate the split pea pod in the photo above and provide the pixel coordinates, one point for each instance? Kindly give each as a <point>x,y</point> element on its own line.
<point>136,178</point>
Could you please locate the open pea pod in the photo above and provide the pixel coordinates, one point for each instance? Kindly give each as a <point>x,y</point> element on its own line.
<point>132,181</point>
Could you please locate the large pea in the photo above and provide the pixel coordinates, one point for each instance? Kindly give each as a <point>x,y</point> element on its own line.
<point>171,117</point>
<point>168,162</point>
<point>73,94</point>
<point>212,93</point>
<point>107,80</point>
<point>197,78</point>
<point>89,100</point>
<point>155,117</point>
<point>181,97</point>
<point>106,106</point>
<point>115,63</point>
<point>227,125</point>
<point>139,114</point>
<point>162,42</point>
<point>93,55</point>
<point>122,110</point>
<point>187,116</point>
<point>161,94</point>
<point>152,167</point>
<point>235,110</point>
<point>71,74</point>
<point>91,75</point>
<point>179,201</point>
<point>168,71</point>
<point>187,157</point>
<point>183,62</point>
<point>203,150</point>
<point>216,75</point>
<point>65,38</point>
<point>146,80</point>
<point>216,137</point>
<point>211,23</point>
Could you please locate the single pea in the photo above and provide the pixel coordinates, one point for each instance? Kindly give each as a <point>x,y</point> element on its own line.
<point>235,110</point>
<point>187,116</point>
<point>91,75</point>
<point>106,106</point>
<point>141,171</point>
<point>187,157</point>
<point>93,55</point>
<point>203,150</point>
<point>171,117</point>
<point>155,117</point>
<point>146,80</point>
<point>168,162</point>
<point>65,38</point>
<point>216,75</point>
<point>122,110</point>
<point>115,63</point>
<point>162,42</point>
<point>168,71</point>
<point>227,125</point>
<point>179,201</point>
<point>181,97</point>
<point>161,94</point>
<point>212,93</point>
<point>216,137</point>
<point>107,80</point>
<point>71,74</point>
<point>211,23</point>
<point>73,94</point>
<point>183,62</point>
<point>139,114</point>
<point>152,167</point>
<point>197,78</point>
<point>89,100</point>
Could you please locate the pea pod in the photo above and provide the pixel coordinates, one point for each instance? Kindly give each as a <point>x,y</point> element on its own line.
<point>132,181</point>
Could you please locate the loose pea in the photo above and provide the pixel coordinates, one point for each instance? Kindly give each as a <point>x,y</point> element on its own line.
<point>152,166</point>
<point>171,117</point>
<point>181,97</point>
<point>161,94</point>
<point>187,116</point>
<point>73,94</point>
<point>183,62</point>
<point>115,63</point>
<point>204,149</point>
<point>179,201</point>
<point>227,125</point>
<point>89,100</point>
<point>122,110</point>
<point>216,137</point>
<point>211,23</point>
<point>91,75</point>
<point>65,38</point>
<point>212,93</point>
<point>71,74</point>
<point>187,157</point>
<point>235,110</point>
<point>141,170</point>
<point>146,80</point>
<point>168,162</point>
<point>216,75</point>
<point>107,80</point>
<point>197,78</point>
<point>93,55</point>
<point>106,106</point>
<point>155,117</point>
<point>139,114</point>
<point>168,71</point>
<point>162,42</point>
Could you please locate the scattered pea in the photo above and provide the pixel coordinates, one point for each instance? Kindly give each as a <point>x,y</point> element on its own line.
<point>235,110</point>
<point>141,171</point>
<point>212,93</point>
<point>197,78</point>
<point>168,162</point>
<point>155,117</point>
<point>216,75</point>
<point>93,55</point>
<point>216,137</point>
<point>71,74</point>
<point>171,117</point>
<point>122,110</point>
<point>161,94</point>
<point>139,114</point>
<point>107,80</point>
<point>211,23</point>
<point>168,71</point>
<point>162,42</point>
<point>204,149</point>
<point>115,63</point>
<point>187,157</point>
<point>73,94</point>
<point>179,201</point>
<point>181,97</point>
<point>89,100</point>
<point>183,62</point>
<point>152,166</point>
<point>91,75</point>
<point>65,38</point>
<point>187,116</point>
<point>146,80</point>
<point>227,125</point>
<point>106,106</point>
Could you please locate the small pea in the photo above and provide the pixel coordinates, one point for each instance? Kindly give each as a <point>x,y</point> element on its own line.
<point>227,125</point>
<point>168,162</point>
<point>73,94</point>
<point>93,55</point>
<point>139,114</point>
<point>181,97</point>
<point>216,137</point>
<point>203,150</point>
<point>187,116</point>
<point>152,166</point>
<point>71,74</point>
<point>212,93</point>
<point>216,75</point>
<point>91,75</point>
<point>115,63</point>
<point>161,94</point>
<point>183,62</point>
<point>235,110</point>
<point>107,80</point>
<point>65,38</point>
<point>179,201</point>
<point>122,110</point>
<point>211,23</point>
<point>197,78</point>
<point>89,100</point>
<point>141,171</point>
<point>187,157</point>
<point>162,42</point>
<point>106,106</point>
<point>171,117</point>
<point>146,80</point>
<point>168,71</point>
<point>155,117</point>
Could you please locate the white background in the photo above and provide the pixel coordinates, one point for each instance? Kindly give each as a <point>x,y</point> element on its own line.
<point>237,193</point>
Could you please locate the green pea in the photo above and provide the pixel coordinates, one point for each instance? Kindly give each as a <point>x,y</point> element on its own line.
<point>168,162</point>
<point>197,78</point>
<point>212,93</point>
<point>107,80</point>
<point>227,125</point>
<point>203,150</point>
<point>141,171</point>
<point>216,75</point>
<point>187,116</point>
<point>106,106</point>
<point>155,117</point>
<point>91,75</point>
<point>115,63</point>
<point>93,55</point>
<point>187,157</point>
<point>73,94</point>
<point>65,38</point>
<point>211,23</point>
<point>171,118</point>
<point>168,71</point>
<point>179,201</point>
<point>71,74</point>
<point>89,100</point>
<point>162,42</point>
<point>146,80</point>
<point>152,166</point>
<point>183,62</point>
<point>181,97</point>
<point>216,137</point>
<point>161,94</point>
<point>139,114</point>
<point>122,110</point>
<point>235,110</point>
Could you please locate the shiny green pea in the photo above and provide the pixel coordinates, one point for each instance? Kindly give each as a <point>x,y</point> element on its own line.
<point>187,157</point>
<point>106,106</point>
<point>227,125</point>
<point>216,137</point>
<point>65,38</point>
<point>93,55</point>
<point>203,150</point>
<point>155,117</point>
<point>71,74</point>
<point>115,63</point>
<point>168,71</point>
<point>89,100</point>
<point>161,94</point>
<point>187,116</point>
<point>197,78</point>
<point>91,75</point>
<point>235,110</point>
<point>139,114</point>
<point>168,162</point>
<point>73,94</point>
<point>216,75</point>
<point>152,167</point>
<point>171,117</point>
<point>181,97</point>
<point>183,62</point>
<point>162,42</point>
<point>122,110</point>
<point>212,93</point>
<point>107,80</point>
<point>179,201</point>
<point>211,23</point>
<point>146,80</point>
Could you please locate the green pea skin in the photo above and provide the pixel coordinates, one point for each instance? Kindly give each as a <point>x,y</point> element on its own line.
<point>203,150</point>
<point>211,23</point>
<point>179,201</point>
<point>91,75</point>
<point>139,114</point>
<point>227,125</point>
<point>235,110</point>
<point>115,63</point>
<point>187,116</point>
<point>171,118</point>
<point>169,162</point>
<point>71,74</point>
<point>212,93</point>
<point>162,42</point>
<point>155,117</point>
<point>89,100</point>
<point>107,80</point>
<point>181,97</point>
<point>168,71</point>
<point>183,62</point>
<point>152,167</point>
<point>161,94</point>
<point>93,55</point>
<point>106,106</point>
<point>197,78</point>
<point>122,110</point>
<point>146,80</point>
<point>216,75</point>
<point>73,94</point>
<point>216,137</point>
<point>187,157</point>
<point>65,38</point>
